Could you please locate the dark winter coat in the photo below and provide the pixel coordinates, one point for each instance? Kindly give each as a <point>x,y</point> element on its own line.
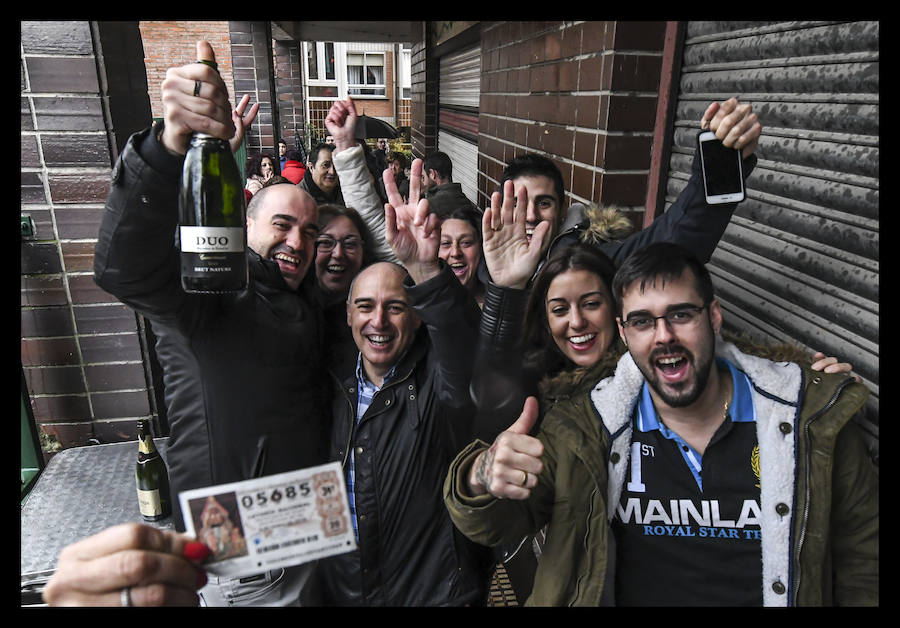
<point>409,552</point>
<point>244,385</point>
<point>818,497</point>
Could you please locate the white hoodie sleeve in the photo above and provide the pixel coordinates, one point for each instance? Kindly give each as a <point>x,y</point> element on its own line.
<point>359,193</point>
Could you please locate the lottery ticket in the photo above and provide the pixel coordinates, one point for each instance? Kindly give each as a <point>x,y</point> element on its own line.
<point>271,522</point>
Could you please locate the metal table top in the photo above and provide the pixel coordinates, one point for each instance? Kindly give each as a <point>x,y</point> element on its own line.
<point>82,491</point>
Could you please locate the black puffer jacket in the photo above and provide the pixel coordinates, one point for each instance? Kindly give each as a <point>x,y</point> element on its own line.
<point>410,553</point>
<point>244,385</point>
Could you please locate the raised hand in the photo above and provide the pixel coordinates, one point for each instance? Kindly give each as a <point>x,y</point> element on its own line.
<point>129,564</point>
<point>242,121</point>
<point>195,99</point>
<point>511,259</point>
<point>341,123</point>
<point>413,233</point>
<point>509,468</point>
<point>734,124</point>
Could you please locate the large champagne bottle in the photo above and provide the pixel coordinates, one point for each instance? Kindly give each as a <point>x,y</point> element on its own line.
<point>212,232</point>
<point>151,477</point>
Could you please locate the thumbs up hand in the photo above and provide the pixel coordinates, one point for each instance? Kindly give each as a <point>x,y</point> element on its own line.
<point>509,468</point>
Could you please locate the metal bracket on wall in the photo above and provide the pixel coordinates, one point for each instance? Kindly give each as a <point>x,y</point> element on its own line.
<point>27,227</point>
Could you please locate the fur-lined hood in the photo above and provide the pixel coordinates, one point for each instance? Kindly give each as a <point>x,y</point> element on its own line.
<point>605,224</point>
<point>592,224</point>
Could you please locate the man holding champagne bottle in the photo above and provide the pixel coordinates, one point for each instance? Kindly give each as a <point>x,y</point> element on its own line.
<point>246,393</point>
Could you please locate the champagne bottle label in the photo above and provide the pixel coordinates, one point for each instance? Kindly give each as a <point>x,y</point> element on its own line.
<point>150,503</point>
<point>212,240</point>
<point>212,219</point>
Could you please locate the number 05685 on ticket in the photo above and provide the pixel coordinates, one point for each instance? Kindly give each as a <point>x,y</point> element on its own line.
<point>270,522</point>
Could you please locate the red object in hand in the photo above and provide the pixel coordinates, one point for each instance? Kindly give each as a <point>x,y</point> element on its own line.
<point>196,551</point>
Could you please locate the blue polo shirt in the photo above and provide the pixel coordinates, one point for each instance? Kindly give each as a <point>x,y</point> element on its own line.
<point>687,526</point>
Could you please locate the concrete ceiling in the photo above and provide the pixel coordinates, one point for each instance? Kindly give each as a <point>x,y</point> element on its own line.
<point>315,30</point>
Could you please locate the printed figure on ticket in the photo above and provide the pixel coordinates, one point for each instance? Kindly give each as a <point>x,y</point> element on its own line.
<point>270,522</point>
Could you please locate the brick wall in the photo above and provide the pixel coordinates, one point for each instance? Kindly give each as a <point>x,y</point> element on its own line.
<point>170,44</point>
<point>380,107</point>
<point>424,70</point>
<point>289,93</point>
<point>80,350</point>
<point>583,93</point>
<point>251,57</point>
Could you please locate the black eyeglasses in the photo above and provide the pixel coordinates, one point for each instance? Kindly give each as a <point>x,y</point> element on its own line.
<point>675,318</point>
<point>350,244</point>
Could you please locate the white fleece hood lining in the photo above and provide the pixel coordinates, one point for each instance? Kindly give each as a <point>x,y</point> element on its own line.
<point>614,399</point>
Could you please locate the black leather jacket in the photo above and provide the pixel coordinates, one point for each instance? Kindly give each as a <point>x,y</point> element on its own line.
<point>244,385</point>
<point>410,554</point>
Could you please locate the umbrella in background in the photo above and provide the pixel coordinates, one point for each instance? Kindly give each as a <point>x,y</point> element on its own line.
<point>367,126</point>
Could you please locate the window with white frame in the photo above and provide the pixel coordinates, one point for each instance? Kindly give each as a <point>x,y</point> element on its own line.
<point>365,74</point>
<point>320,64</point>
<point>405,78</point>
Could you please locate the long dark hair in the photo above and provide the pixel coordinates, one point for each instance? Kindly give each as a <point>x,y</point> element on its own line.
<point>539,345</point>
<point>254,164</point>
<point>468,213</point>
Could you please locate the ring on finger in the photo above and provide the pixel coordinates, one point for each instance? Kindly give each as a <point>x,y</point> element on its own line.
<point>125,598</point>
<point>525,479</point>
<point>197,86</point>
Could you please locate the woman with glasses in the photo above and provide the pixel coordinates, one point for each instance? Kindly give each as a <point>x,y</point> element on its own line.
<point>341,252</point>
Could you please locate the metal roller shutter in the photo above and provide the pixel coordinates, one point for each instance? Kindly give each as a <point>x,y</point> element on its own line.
<point>460,75</point>
<point>464,156</point>
<point>799,261</point>
<point>459,92</point>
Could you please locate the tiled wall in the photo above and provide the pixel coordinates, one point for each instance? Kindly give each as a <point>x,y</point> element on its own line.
<point>584,94</point>
<point>251,58</point>
<point>289,93</point>
<point>80,349</point>
<point>424,70</point>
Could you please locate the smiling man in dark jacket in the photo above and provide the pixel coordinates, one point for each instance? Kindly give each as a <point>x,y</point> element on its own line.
<point>244,388</point>
<point>398,422</point>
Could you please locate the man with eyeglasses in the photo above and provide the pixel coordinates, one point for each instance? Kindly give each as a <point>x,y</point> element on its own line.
<point>695,476</point>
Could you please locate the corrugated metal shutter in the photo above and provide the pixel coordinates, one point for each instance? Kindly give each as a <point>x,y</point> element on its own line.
<point>799,261</point>
<point>460,75</point>
<point>459,93</point>
<point>464,156</point>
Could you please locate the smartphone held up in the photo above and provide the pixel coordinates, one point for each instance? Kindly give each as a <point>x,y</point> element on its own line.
<point>723,177</point>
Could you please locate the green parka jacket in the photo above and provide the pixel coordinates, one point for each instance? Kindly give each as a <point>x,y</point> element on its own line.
<point>819,496</point>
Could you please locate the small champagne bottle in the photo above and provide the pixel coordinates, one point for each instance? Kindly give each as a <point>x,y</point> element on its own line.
<point>151,477</point>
